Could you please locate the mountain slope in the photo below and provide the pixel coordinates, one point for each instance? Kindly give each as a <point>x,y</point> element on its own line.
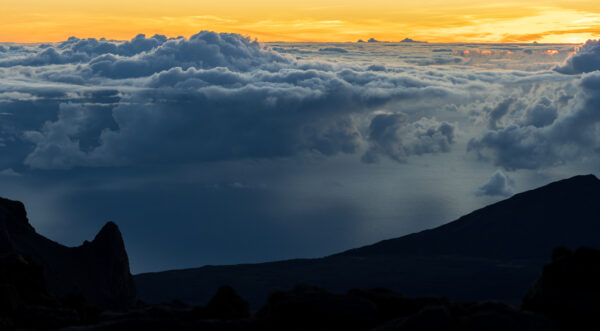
<point>99,270</point>
<point>527,225</point>
<point>493,253</point>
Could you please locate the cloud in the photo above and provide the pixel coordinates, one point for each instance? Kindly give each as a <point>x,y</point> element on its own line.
<point>143,56</point>
<point>393,136</point>
<point>542,113</point>
<point>57,145</point>
<point>333,49</point>
<point>497,113</point>
<point>204,50</point>
<point>498,185</point>
<point>220,96</point>
<point>216,96</point>
<point>434,60</point>
<point>76,50</point>
<point>545,137</point>
<point>586,59</point>
<point>9,173</point>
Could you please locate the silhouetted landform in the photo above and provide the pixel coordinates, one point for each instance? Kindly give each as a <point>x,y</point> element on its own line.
<point>569,290</point>
<point>312,308</point>
<point>565,297</point>
<point>494,253</point>
<point>408,40</point>
<point>528,225</point>
<point>97,270</point>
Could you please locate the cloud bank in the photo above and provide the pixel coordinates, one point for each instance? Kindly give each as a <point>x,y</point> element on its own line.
<point>215,97</point>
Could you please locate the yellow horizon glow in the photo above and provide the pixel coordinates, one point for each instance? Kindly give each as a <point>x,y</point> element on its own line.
<point>559,21</point>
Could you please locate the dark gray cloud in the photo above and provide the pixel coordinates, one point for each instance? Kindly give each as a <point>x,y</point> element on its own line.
<point>586,59</point>
<point>542,113</point>
<point>499,184</point>
<point>498,112</point>
<point>393,136</point>
<point>333,49</point>
<point>546,138</point>
<point>215,96</point>
<point>76,50</point>
<point>204,50</point>
<point>434,60</point>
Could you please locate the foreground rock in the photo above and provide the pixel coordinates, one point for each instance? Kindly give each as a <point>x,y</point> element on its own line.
<point>312,308</point>
<point>568,290</point>
<point>97,270</point>
<point>24,300</point>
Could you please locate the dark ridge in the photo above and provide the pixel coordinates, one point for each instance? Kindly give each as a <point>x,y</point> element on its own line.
<point>13,216</point>
<point>529,224</point>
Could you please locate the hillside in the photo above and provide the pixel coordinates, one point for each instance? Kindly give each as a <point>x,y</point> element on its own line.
<point>492,253</point>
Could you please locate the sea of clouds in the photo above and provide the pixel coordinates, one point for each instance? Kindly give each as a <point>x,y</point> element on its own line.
<point>309,148</point>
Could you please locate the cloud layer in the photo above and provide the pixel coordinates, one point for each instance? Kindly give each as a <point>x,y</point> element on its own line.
<point>216,97</point>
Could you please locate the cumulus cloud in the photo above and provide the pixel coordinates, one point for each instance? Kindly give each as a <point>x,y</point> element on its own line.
<point>542,113</point>
<point>586,59</point>
<point>393,136</point>
<point>58,144</point>
<point>498,112</point>
<point>76,50</point>
<point>204,50</point>
<point>499,184</point>
<point>546,138</point>
<point>218,96</point>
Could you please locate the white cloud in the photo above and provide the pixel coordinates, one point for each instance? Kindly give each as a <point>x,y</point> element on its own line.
<point>499,184</point>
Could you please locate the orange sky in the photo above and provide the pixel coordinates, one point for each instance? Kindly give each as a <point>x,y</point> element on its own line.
<point>308,20</point>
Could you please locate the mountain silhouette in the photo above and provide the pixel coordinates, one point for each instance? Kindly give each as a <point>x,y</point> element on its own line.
<point>527,225</point>
<point>97,270</point>
<point>492,253</point>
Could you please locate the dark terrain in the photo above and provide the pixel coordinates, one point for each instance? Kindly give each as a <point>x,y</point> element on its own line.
<point>98,270</point>
<point>492,253</point>
<point>451,278</point>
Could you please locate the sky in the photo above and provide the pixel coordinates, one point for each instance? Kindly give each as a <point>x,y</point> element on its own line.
<point>212,147</point>
<point>563,21</point>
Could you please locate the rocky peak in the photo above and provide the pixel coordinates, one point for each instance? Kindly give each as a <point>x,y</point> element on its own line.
<point>13,217</point>
<point>97,270</point>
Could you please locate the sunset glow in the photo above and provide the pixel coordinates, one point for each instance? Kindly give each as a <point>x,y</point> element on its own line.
<point>311,20</point>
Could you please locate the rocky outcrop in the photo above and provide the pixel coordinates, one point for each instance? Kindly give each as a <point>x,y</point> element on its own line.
<point>97,270</point>
<point>225,305</point>
<point>568,290</point>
